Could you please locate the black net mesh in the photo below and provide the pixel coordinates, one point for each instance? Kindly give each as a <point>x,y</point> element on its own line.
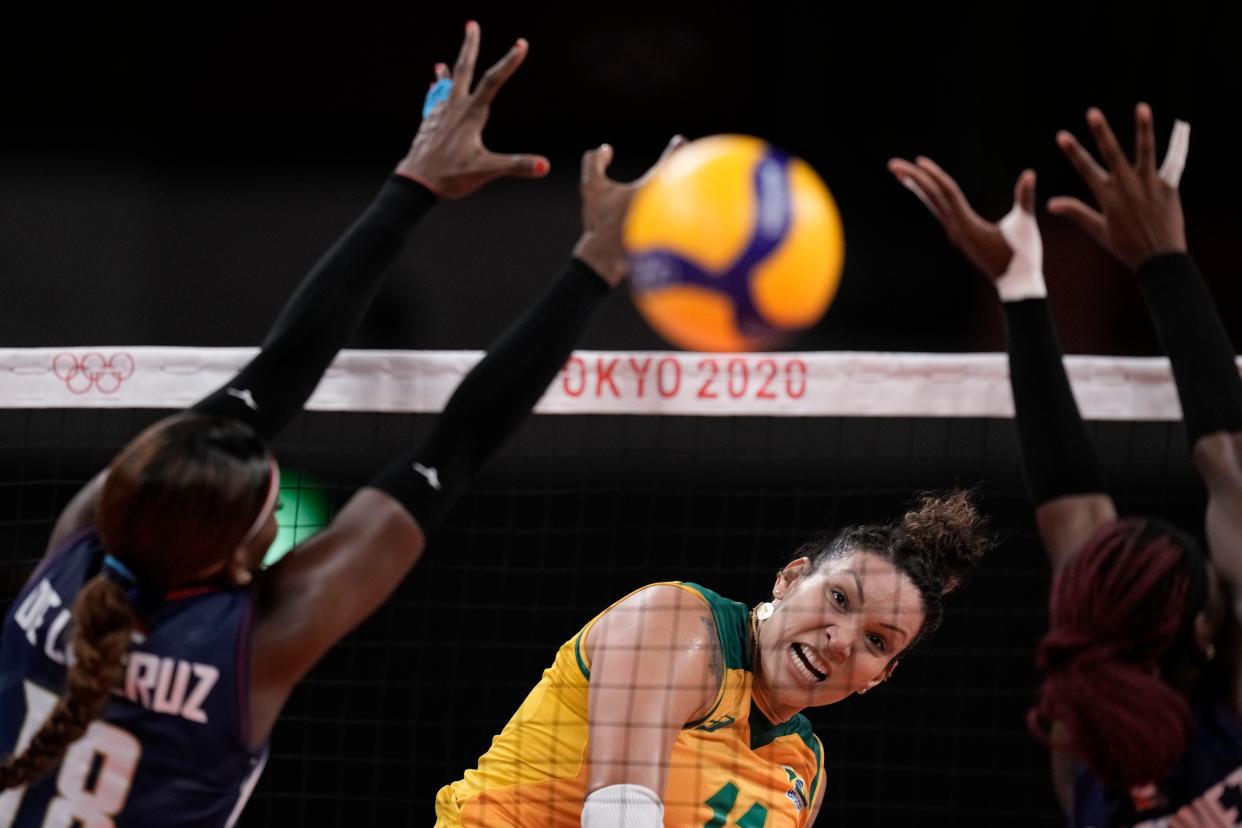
<point>578,511</point>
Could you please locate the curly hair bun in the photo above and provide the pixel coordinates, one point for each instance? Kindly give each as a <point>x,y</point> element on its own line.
<point>947,531</point>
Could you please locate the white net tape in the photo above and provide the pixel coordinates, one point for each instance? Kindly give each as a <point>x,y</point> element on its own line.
<point>811,384</point>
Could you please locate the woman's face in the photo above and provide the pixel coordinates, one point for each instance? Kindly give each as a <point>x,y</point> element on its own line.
<point>836,630</point>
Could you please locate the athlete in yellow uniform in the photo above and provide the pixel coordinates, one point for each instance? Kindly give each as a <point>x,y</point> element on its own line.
<point>730,762</point>
<point>677,707</point>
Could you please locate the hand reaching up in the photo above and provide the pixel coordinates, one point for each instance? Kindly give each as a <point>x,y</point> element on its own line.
<point>448,155</point>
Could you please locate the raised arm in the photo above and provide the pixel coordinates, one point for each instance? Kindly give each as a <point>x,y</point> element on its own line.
<point>1058,458</point>
<point>329,584</point>
<point>655,665</point>
<point>1140,221</point>
<point>447,159</point>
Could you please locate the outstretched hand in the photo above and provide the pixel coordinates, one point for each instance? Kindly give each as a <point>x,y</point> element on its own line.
<point>1140,213</point>
<point>604,205</point>
<point>982,241</point>
<point>448,155</point>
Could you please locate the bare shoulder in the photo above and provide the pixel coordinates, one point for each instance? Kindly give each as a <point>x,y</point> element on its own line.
<point>659,616</point>
<point>659,649</point>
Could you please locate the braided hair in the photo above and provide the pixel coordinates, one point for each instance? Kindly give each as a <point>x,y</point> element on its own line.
<point>1120,626</point>
<point>179,498</point>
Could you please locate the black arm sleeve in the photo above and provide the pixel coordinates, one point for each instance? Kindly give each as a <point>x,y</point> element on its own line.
<point>1200,352</point>
<point>322,314</point>
<point>1057,454</point>
<point>494,398</point>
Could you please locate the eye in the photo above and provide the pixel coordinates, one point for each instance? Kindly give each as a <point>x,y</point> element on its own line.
<point>839,597</point>
<point>877,641</point>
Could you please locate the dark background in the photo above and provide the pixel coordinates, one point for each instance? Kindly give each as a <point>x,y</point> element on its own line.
<point>167,178</point>
<point>577,512</point>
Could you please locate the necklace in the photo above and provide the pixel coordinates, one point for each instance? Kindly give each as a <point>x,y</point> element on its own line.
<point>754,639</point>
<point>762,612</point>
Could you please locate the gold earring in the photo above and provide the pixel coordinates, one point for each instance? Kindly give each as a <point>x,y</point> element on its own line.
<point>243,578</point>
<point>764,611</point>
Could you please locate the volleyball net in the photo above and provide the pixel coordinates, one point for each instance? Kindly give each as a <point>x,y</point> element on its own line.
<point>639,467</point>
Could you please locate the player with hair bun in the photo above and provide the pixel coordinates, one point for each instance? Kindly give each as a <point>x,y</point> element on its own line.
<point>171,650</point>
<point>1140,699</point>
<point>678,707</point>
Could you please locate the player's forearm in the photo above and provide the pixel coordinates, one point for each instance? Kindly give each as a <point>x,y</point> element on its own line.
<point>1201,355</point>
<point>323,313</point>
<point>495,397</point>
<point>1057,454</point>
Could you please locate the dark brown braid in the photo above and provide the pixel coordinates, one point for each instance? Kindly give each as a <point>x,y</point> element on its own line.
<point>197,478</point>
<point>103,620</point>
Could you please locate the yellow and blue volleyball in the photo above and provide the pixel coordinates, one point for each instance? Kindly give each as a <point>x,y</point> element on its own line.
<point>734,246</point>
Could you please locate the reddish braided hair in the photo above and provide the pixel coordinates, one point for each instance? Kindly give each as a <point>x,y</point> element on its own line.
<point>1116,612</point>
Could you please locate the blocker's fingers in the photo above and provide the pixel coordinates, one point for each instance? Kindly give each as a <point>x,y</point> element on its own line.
<point>503,69</point>
<point>1089,220</point>
<point>595,164</point>
<point>952,193</point>
<point>1024,191</point>
<point>924,187</point>
<point>676,143</point>
<point>1144,141</point>
<point>1110,150</point>
<point>910,184</point>
<point>519,165</point>
<point>1092,173</point>
<point>442,71</point>
<point>463,70</point>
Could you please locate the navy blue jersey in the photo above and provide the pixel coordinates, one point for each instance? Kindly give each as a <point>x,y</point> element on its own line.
<point>1204,789</point>
<point>172,746</point>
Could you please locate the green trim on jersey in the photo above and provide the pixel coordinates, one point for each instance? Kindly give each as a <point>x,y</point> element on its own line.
<point>819,765</point>
<point>586,671</point>
<point>763,732</point>
<point>732,627</point>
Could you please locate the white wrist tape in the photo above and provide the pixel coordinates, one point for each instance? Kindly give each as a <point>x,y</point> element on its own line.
<point>1175,157</point>
<point>1024,278</point>
<point>623,806</point>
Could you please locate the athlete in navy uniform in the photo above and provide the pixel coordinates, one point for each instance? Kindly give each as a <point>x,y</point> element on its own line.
<point>1140,703</point>
<point>143,665</point>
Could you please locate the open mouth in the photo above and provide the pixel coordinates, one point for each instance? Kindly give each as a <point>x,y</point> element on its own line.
<point>815,669</point>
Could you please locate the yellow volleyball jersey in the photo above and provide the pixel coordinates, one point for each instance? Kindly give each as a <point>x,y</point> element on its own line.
<point>732,767</point>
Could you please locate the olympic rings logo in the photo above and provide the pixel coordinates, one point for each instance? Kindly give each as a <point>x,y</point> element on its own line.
<point>93,371</point>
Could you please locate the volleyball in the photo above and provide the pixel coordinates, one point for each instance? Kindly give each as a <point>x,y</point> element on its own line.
<point>734,246</point>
